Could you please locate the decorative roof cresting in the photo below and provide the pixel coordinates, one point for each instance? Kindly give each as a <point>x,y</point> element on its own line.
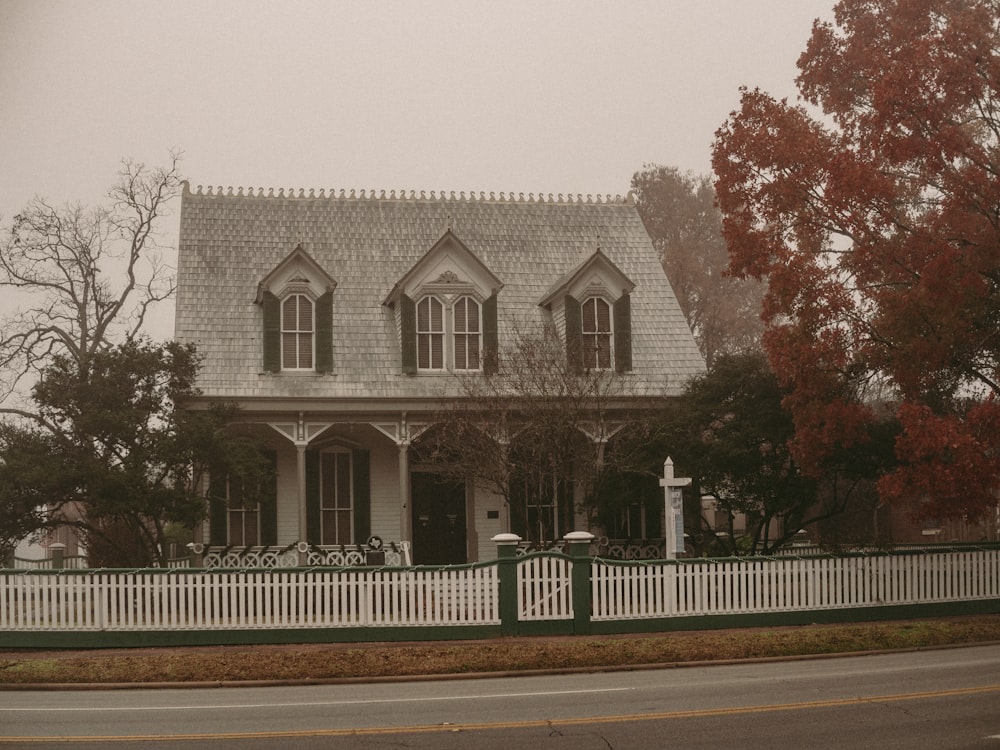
<point>404,195</point>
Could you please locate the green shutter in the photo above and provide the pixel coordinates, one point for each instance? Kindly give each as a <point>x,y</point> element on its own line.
<point>361,459</point>
<point>217,511</point>
<point>408,334</point>
<point>272,333</point>
<point>313,529</point>
<point>269,502</point>
<point>490,336</point>
<point>574,332</point>
<point>623,334</point>
<point>324,333</point>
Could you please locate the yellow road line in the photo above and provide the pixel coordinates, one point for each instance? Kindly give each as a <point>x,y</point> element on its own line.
<point>425,728</point>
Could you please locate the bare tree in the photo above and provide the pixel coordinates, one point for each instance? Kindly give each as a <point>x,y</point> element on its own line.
<point>82,278</point>
<point>81,281</point>
<point>533,432</point>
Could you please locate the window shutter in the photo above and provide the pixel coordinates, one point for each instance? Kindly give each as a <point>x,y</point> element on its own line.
<point>217,516</point>
<point>491,338</point>
<point>269,502</point>
<point>324,333</point>
<point>408,334</point>
<point>574,332</point>
<point>272,333</point>
<point>361,459</point>
<point>313,530</point>
<point>623,334</point>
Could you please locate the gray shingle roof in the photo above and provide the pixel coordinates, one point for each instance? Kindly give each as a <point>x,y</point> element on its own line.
<point>230,242</point>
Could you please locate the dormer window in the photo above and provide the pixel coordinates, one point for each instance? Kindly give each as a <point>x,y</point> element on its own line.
<point>592,306</point>
<point>468,328</point>
<point>596,334</point>
<point>447,311</point>
<point>297,332</point>
<point>430,334</point>
<point>297,314</point>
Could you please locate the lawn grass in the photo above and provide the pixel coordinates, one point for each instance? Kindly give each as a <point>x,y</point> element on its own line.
<point>374,661</point>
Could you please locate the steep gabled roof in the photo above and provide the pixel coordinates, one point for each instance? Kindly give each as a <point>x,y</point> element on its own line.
<point>231,240</point>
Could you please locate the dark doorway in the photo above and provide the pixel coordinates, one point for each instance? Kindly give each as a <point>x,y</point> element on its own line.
<point>438,520</point>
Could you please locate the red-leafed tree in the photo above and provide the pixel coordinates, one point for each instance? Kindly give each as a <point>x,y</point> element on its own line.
<point>874,214</point>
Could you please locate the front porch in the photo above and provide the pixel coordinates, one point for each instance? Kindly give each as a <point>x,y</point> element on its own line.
<point>350,484</point>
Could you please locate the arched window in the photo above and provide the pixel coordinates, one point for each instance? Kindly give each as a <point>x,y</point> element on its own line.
<point>467,334</point>
<point>596,329</point>
<point>297,333</point>
<point>430,334</point>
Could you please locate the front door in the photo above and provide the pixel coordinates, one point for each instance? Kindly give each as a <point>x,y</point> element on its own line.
<point>438,520</point>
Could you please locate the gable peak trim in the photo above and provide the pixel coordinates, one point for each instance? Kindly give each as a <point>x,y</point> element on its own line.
<point>298,255</point>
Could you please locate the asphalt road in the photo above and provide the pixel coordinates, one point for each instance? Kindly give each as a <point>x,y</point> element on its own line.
<point>930,699</point>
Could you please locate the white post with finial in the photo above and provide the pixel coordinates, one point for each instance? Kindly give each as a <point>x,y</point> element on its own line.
<point>673,518</point>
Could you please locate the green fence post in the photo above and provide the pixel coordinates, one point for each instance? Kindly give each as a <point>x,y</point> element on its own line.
<point>507,572</point>
<point>578,548</point>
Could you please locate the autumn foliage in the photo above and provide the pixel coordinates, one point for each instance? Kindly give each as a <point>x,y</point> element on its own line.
<point>872,209</point>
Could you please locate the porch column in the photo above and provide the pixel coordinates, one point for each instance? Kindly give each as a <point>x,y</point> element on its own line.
<point>403,433</point>
<point>405,518</point>
<point>300,449</point>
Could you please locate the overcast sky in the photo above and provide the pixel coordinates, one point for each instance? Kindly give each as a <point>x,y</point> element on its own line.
<point>553,97</point>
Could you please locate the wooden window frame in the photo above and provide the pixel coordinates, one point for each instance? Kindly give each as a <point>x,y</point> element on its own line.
<point>428,335</point>
<point>464,340</point>
<point>238,510</point>
<point>341,461</point>
<point>596,357</point>
<point>298,333</point>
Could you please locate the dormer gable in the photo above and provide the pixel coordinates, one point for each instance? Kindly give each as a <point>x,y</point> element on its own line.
<point>448,268</point>
<point>596,274</point>
<point>297,272</point>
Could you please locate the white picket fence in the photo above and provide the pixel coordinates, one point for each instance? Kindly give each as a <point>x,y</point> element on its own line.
<point>234,600</point>
<point>164,600</point>
<point>713,587</point>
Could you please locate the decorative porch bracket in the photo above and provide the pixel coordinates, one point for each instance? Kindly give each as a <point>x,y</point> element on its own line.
<point>600,432</point>
<point>301,433</point>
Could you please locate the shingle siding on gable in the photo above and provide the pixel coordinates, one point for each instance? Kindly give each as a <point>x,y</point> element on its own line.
<point>228,243</point>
